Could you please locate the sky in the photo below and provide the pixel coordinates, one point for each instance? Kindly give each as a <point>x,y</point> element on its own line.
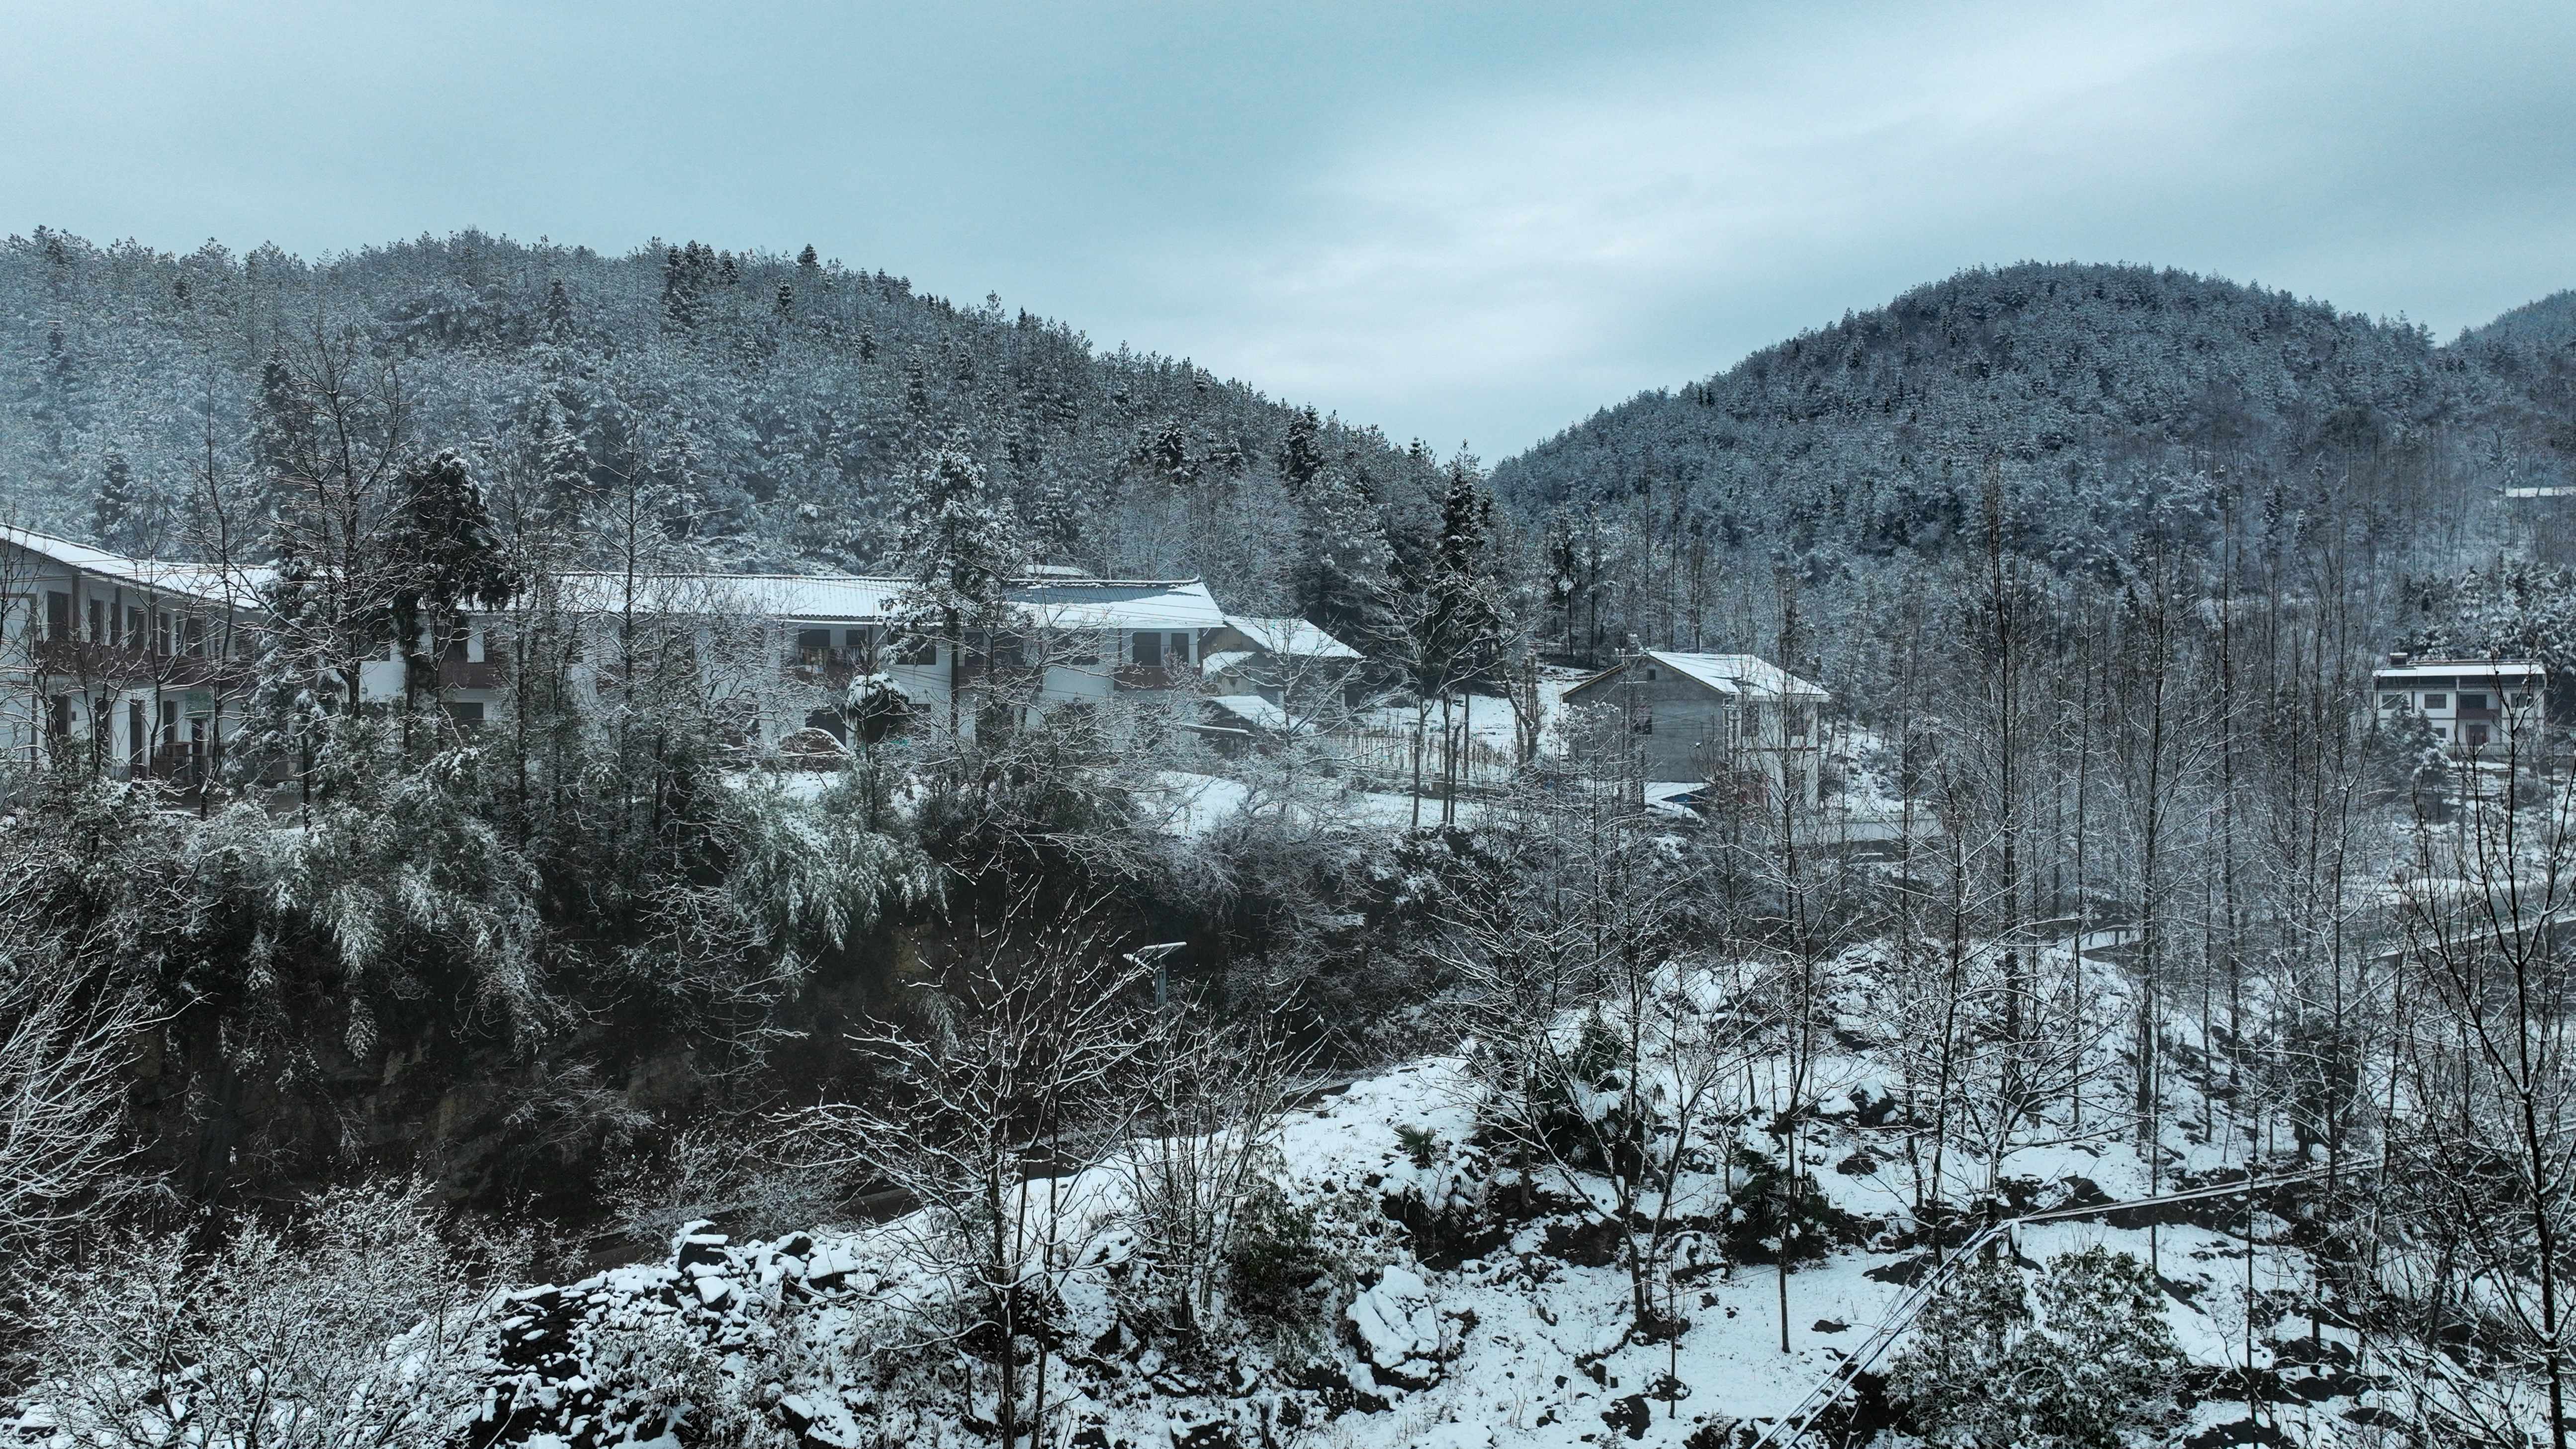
<point>1473,223</point>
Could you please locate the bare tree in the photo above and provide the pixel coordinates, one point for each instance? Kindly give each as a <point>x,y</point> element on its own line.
<point>1006,1106</point>
<point>1606,1056</point>
<point>350,1327</point>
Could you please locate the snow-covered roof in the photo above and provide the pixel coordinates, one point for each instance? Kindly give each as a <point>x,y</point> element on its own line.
<point>1254,710</point>
<point>202,581</point>
<point>1224,659</point>
<point>1057,602</point>
<point>1293,637</point>
<point>2451,668</point>
<point>1748,676</point>
<point>1122,603</point>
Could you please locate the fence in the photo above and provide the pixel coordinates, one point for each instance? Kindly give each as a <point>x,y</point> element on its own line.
<point>1379,757</point>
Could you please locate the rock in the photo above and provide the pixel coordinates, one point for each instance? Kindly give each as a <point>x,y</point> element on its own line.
<point>1629,1416</point>
<point>1399,1330</point>
<point>695,1248</point>
<point>1215,1434</point>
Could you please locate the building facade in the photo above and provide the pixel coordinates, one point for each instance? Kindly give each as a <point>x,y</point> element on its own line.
<point>2471,705</point>
<point>140,668</point>
<point>1736,722</point>
<point>130,667</point>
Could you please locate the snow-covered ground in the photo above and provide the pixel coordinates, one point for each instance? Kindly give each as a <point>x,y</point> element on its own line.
<point>1525,1343</point>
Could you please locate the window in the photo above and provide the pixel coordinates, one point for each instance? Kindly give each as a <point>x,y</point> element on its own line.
<point>138,739</point>
<point>98,621</point>
<point>1180,649</point>
<point>1650,675</point>
<point>2436,701</point>
<point>133,628</point>
<point>2441,732</point>
<point>196,635</point>
<point>2392,701</point>
<point>467,713</point>
<point>813,646</point>
<point>161,631</point>
<point>58,614</point>
<point>2473,701</point>
<point>1149,650</point>
<point>170,722</point>
<point>918,649</point>
<point>855,642</point>
<point>58,716</point>
<point>2475,734</point>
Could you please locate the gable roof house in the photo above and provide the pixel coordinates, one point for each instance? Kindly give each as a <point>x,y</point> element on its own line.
<point>1306,675</point>
<point>1724,718</point>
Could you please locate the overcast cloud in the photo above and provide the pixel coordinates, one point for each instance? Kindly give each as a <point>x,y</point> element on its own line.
<point>1462,222</point>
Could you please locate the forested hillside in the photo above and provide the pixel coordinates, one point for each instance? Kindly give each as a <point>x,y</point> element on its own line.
<point>768,398</point>
<point>2096,391</point>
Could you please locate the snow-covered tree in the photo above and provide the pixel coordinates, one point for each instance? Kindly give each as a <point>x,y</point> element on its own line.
<point>2084,1359</point>
<point>959,551</point>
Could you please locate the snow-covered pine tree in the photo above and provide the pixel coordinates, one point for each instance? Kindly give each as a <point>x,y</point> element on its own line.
<point>1343,558</point>
<point>558,311</point>
<point>564,479</point>
<point>1459,629</point>
<point>281,429</point>
<point>1301,453</point>
<point>960,548</point>
<point>444,554</point>
<point>121,513</point>
<point>291,707</point>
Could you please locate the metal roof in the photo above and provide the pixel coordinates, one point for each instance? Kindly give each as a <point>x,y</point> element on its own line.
<point>1054,602</point>
<point>202,581</point>
<point>1294,637</point>
<point>1748,676</point>
<point>2449,668</point>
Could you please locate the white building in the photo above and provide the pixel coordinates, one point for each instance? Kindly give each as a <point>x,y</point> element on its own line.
<point>2470,704</point>
<point>129,666</point>
<point>139,667</point>
<point>788,646</point>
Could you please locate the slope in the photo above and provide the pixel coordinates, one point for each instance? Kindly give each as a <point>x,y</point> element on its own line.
<point>772,396</point>
<point>2084,383</point>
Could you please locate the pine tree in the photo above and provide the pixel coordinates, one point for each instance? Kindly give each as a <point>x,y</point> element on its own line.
<point>558,310</point>
<point>444,554</point>
<point>120,515</point>
<point>960,549</point>
<point>290,708</point>
<point>281,430</point>
<point>807,261</point>
<point>1466,617</point>
<point>1344,560</point>
<point>564,469</point>
<point>1301,454</point>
